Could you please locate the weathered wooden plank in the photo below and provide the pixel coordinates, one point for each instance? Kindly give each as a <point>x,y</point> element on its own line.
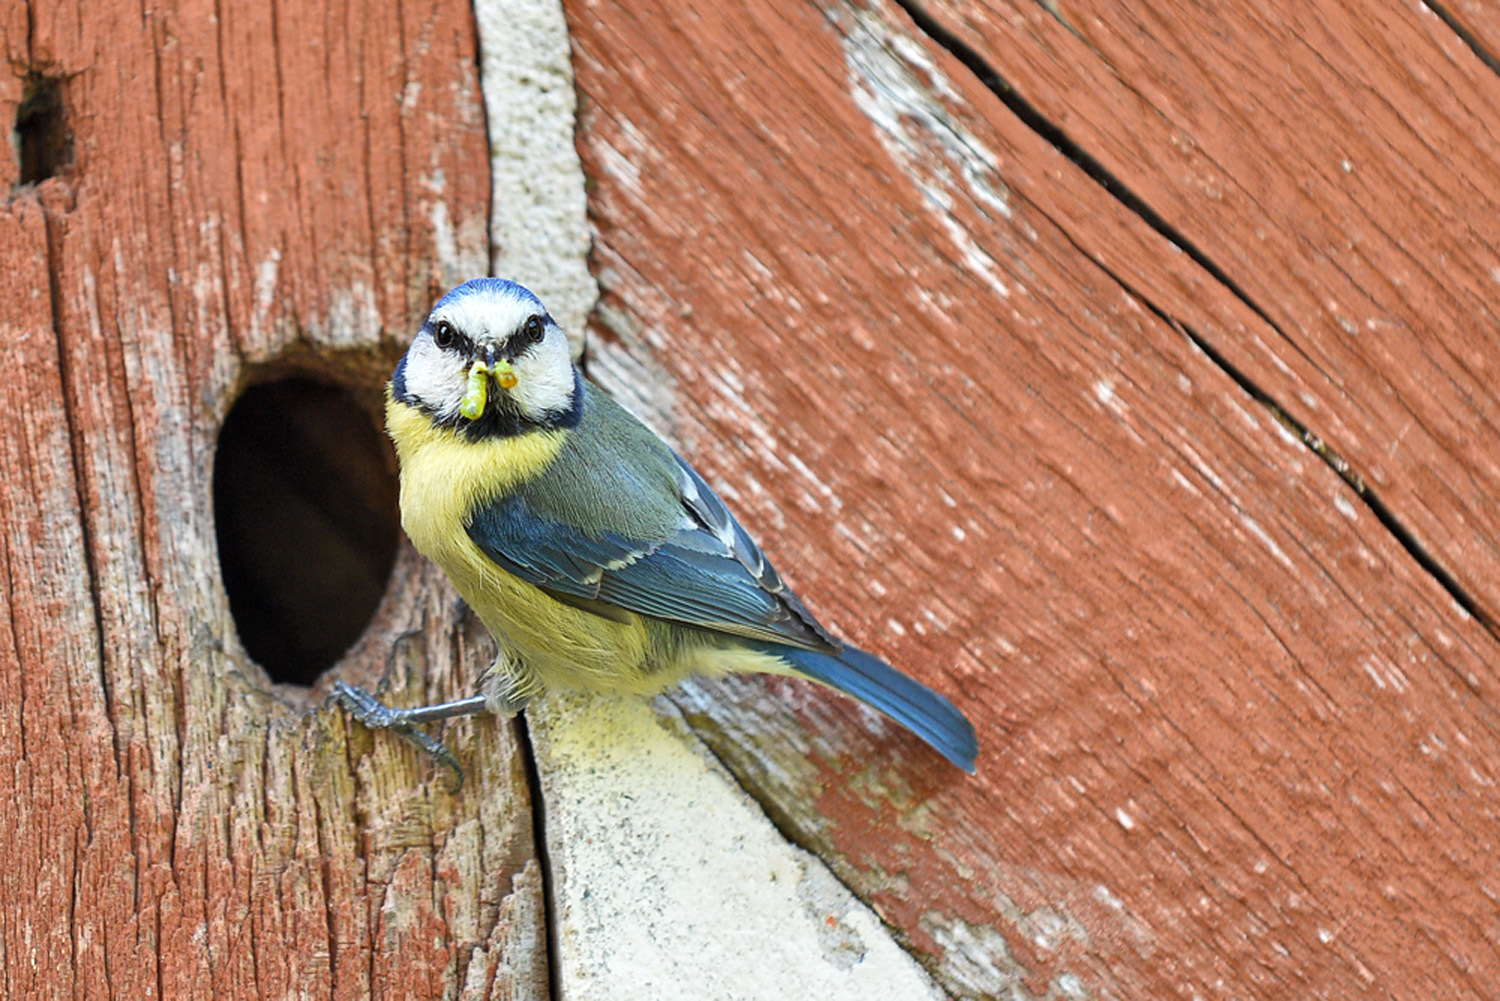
<point>1479,26</point>
<point>48,634</point>
<point>1236,742</point>
<point>1340,163</point>
<point>254,190</point>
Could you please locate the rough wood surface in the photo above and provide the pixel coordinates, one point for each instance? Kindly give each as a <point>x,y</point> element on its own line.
<point>255,189</point>
<point>1351,193</point>
<point>1237,741</point>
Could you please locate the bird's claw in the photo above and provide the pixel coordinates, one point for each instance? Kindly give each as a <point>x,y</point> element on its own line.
<point>376,715</point>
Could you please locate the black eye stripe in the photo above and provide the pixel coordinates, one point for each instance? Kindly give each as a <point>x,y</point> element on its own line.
<point>533,330</point>
<point>448,338</point>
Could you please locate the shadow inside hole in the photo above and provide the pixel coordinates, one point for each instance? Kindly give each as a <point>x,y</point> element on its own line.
<point>42,143</point>
<point>306,513</point>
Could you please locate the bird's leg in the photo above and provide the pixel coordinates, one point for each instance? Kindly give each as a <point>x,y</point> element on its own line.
<point>378,716</point>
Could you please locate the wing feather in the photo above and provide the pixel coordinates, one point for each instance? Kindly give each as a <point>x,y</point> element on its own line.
<point>708,574</point>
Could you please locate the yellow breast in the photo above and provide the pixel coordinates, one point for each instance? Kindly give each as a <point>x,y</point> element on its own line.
<point>445,477</point>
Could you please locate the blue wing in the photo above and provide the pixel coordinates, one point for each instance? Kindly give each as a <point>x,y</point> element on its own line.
<point>708,573</point>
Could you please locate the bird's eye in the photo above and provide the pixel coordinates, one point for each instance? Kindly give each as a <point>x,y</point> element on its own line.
<point>444,335</point>
<point>533,330</point>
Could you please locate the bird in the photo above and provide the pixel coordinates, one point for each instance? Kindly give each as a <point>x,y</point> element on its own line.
<point>598,559</point>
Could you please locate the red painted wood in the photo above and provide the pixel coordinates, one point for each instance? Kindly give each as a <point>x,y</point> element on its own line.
<point>255,189</point>
<point>1236,742</point>
<point>1339,162</point>
<point>1478,25</point>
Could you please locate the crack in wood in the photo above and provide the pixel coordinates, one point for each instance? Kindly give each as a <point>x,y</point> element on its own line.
<point>43,144</point>
<point>1331,458</point>
<point>1466,36</point>
<point>543,856</point>
<point>1096,171</point>
<point>50,225</point>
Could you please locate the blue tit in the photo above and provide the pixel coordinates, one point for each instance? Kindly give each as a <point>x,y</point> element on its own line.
<point>598,558</point>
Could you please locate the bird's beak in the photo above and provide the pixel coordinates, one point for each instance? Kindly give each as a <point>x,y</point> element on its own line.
<point>477,393</point>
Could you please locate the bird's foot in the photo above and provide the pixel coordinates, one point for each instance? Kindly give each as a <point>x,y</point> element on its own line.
<point>376,715</point>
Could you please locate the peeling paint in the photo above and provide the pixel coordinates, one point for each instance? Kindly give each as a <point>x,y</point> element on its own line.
<point>353,313</point>
<point>459,249</point>
<point>899,89</point>
<point>266,273</point>
<point>976,958</point>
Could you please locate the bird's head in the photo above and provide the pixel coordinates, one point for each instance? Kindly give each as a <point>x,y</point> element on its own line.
<point>490,361</point>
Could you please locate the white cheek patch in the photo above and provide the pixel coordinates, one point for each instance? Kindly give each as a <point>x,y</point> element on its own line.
<point>434,377</point>
<point>544,377</point>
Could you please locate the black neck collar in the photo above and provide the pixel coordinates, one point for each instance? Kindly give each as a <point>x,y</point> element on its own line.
<point>501,419</point>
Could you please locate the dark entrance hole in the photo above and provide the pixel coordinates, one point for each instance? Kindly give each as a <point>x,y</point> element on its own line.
<point>305,504</point>
<point>42,142</point>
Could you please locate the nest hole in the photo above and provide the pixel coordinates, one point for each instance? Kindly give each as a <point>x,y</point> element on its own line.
<point>40,139</point>
<point>305,502</point>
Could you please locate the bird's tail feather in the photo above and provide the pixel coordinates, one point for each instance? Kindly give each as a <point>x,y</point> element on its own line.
<point>910,703</point>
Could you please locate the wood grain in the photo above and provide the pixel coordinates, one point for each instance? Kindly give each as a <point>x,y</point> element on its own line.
<point>1348,188</point>
<point>1478,25</point>
<point>1235,740</point>
<point>255,190</point>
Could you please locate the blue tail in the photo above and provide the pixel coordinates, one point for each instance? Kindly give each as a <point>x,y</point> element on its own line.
<point>910,703</point>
